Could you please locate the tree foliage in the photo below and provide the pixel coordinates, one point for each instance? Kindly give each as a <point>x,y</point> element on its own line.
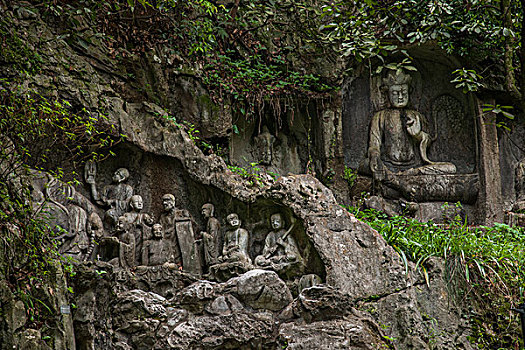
<point>251,52</point>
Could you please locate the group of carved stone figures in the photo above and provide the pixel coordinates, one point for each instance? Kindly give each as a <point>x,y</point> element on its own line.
<point>136,239</point>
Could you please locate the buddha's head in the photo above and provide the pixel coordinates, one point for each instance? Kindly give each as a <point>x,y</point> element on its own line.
<point>233,220</point>
<point>398,83</point>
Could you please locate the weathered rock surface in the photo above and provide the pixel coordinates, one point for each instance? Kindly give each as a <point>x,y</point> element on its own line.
<point>163,308</point>
<point>351,333</point>
<point>261,289</point>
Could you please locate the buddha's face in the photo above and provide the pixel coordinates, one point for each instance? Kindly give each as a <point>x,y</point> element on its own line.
<point>136,203</point>
<point>168,203</point>
<point>276,221</point>
<point>119,175</point>
<point>398,95</point>
<point>206,212</point>
<point>121,224</point>
<point>157,231</point>
<point>233,220</point>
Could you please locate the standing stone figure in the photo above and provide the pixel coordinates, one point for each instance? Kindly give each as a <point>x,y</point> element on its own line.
<point>126,244</point>
<point>395,131</point>
<point>516,217</point>
<point>114,196</point>
<point>157,250</point>
<point>76,240</point>
<point>211,236</point>
<point>235,248</point>
<point>168,219</point>
<point>138,224</point>
<point>264,147</point>
<point>178,225</point>
<point>280,252</point>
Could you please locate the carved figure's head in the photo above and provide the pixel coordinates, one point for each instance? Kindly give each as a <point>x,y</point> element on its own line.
<point>121,224</point>
<point>95,225</point>
<point>276,220</point>
<point>207,210</point>
<point>233,220</point>
<point>121,175</point>
<point>157,231</point>
<point>168,201</point>
<point>136,203</point>
<point>398,83</point>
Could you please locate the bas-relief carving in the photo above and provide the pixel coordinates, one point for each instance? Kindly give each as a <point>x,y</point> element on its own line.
<point>516,217</point>
<point>136,241</point>
<point>234,259</point>
<point>398,153</point>
<point>264,147</point>
<point>210,237</point>
<point>114,197</point>
<point>280,252</point>
<point>71,214</point>
<point>158,249</point>
<point>273,151</point>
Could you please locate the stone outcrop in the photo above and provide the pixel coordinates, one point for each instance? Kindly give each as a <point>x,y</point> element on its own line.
<point>366,300</point>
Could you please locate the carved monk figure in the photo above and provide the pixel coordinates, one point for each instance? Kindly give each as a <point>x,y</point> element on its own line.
<point>236,239</point>
<point>138,224</point>
<point>264,143</point>
<point>157,250</point>
<point>168,221</point>
<point>115,196</point>
<point>126,243</point>
<point>279,245</point>
<point>211,236</point>
<point>395,131</point>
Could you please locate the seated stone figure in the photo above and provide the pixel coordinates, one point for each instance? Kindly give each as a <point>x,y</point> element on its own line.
<point>125,242</point>
<point>397,154</point>
<point>395,131</point>
<point>235,259</point>
<point>235,242</point>
<point>280,252</point>
<point>157,250</point>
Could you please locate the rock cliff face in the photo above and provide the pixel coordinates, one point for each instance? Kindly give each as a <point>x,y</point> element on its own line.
<point>366,298</point>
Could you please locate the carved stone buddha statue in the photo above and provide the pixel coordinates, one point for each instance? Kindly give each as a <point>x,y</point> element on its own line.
<point>398,144</point>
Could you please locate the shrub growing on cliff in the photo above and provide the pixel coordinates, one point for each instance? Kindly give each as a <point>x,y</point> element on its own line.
<point>37,133</point>
<point>489,262</point>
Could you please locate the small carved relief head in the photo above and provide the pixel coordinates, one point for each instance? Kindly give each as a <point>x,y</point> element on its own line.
<point>397,83</point>
<point>121,175</point>
<point>207,210</point>
<point>168,201</point>
<point>233,220</point>
<point>136,202</point>
<point>276,220</point>
<point>95,225</point>
<point>121,224</point>
<point>157,231</point>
